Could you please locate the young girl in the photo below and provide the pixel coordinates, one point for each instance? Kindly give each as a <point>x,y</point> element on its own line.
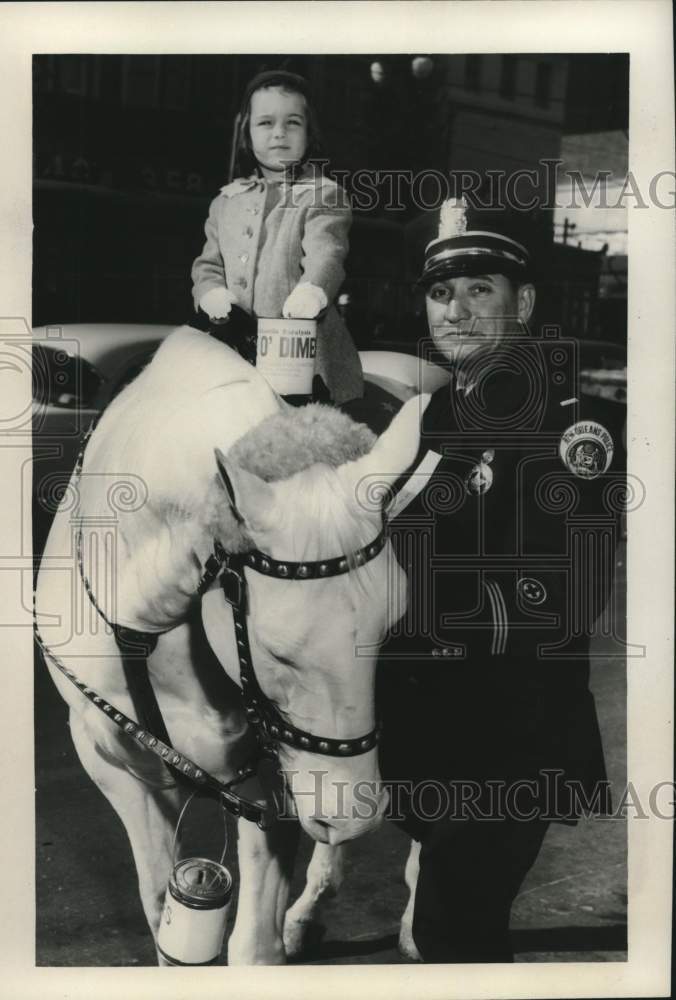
<point>276,238</point>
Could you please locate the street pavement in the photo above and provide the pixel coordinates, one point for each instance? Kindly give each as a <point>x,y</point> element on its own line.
<point>572,907</point>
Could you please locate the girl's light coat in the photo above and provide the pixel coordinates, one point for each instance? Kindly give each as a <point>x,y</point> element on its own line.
<point>263,238</point>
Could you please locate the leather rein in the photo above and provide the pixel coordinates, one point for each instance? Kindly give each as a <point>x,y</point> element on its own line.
<point>263,717</point>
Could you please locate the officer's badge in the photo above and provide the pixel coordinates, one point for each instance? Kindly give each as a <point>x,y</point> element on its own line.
<point>586,449</point>
<point>453,218</point>
<point>480,477</point>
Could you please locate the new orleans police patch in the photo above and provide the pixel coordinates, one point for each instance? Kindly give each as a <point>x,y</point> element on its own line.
<point>586,449</point>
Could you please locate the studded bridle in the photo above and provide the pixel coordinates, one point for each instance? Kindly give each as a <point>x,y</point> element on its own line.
<point>270,726</point>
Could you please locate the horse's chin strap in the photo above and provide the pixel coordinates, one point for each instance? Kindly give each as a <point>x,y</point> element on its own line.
<point>270,726</point>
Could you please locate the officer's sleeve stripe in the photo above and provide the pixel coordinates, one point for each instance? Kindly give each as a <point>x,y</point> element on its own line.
<point>505,622</point>
<point>500,626</point>
<point>491,597</point>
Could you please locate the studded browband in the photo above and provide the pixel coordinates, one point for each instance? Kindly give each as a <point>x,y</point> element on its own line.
<point>285,570</point>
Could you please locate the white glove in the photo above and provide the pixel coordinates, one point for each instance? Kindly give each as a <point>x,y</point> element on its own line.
<point>306,301</point>
<point>217,303</point>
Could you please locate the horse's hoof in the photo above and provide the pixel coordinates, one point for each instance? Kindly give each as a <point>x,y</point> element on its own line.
<point>302,936</point>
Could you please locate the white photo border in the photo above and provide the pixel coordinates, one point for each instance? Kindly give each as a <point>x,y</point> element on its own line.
<point>643,28</point>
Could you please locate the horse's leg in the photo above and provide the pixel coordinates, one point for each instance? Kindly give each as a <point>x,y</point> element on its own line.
<point>323,880</point>
<point>406,945</point>
<point>265,868</point>
<point>149,814</point>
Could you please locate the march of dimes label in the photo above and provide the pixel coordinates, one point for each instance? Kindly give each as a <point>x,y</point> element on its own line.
<point>286,354</point>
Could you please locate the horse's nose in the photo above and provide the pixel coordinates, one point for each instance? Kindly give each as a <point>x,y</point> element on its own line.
<point>352,823</point>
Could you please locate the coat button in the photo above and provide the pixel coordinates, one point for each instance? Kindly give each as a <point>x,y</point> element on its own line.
<point>242,282</point>
<point>255,210</point>
<point>244,257</point>
<point>248,231</point>
<point>531,590</point>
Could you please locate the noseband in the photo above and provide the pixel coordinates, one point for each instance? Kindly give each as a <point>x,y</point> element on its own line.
<point>263,716</point>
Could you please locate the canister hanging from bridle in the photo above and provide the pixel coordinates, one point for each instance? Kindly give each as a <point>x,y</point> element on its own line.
<point>192,925</point>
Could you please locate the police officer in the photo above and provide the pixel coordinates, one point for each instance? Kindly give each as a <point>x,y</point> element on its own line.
<point>507,524</point>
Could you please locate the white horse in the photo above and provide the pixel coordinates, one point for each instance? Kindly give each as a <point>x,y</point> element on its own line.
<point>148,506</point>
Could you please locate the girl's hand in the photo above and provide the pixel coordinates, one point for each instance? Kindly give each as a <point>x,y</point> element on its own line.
<point>306,301</point>
<point>217,303</point>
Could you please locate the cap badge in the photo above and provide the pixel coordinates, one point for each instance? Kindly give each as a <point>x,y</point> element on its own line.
<point>453,218</point>
<point>586,449</point>
<point>480,477</point>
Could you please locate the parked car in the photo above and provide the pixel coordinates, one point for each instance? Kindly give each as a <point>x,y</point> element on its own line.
<point>79,368</point>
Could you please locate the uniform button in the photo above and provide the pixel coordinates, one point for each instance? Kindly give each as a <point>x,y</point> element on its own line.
<point>242,282</point>
<point>255,210</point>
<point>531,590</point>
<point>244,257</point>
<point>248,231</point>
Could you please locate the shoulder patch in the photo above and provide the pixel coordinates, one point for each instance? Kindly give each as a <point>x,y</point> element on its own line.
<point>586,449</point>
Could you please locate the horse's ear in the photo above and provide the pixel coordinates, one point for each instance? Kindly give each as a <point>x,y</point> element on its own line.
<point>225,478</point>
<point>250,497</point>
<point>395,449</point>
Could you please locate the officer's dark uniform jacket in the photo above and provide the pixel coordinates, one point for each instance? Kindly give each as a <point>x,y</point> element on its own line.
<point>510,555</point>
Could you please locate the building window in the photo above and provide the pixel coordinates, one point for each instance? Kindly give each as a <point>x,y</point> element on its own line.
<point>109,78</point>
<point>176,82</point>
<point>543,84</point>
<point>508,77</point>
<point>141,81</point>
<point>473,72</point>
<point>73,75</point>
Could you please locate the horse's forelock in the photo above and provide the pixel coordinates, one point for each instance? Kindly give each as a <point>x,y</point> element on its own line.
<point>286,443</point>
<point>296,441</point>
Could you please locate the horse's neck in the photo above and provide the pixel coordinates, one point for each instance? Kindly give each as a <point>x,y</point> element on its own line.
<point>164,449</point>
<point>154,554</point>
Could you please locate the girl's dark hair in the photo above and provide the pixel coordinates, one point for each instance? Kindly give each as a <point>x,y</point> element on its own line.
<point>245,161</point>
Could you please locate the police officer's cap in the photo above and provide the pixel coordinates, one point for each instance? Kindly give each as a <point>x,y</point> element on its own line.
<point>472,242</point>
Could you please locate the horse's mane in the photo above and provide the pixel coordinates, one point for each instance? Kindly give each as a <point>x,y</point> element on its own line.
<point>314,437</point>
<point>286,443</point>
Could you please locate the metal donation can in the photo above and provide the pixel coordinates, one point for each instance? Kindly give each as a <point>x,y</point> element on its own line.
<point>196,905</point>
<point>285,354</point>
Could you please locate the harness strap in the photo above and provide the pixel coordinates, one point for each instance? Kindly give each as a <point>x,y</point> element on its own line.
<point>184,768</point>
<point>135,647</point>
<point>143,697</point>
